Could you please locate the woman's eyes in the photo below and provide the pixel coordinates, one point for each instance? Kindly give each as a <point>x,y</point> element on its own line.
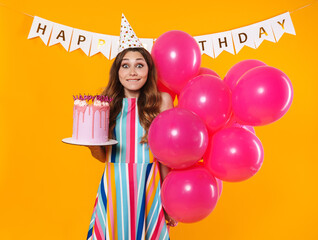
<point>127,66</point>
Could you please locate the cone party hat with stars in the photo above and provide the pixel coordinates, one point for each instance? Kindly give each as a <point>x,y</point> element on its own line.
<point>128,38</point>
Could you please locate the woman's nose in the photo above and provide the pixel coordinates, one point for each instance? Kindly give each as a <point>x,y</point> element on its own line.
<point>133,72</point>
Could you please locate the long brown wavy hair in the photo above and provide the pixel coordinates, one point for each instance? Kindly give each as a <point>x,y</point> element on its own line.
<point>149,99</point>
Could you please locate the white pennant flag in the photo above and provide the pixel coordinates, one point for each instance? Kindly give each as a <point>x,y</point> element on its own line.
<point>222,42</point>
<point>147,43</point>
<point>101,43</point>
<point>205,44</point>
<point>61,34</point>
<point>81,39</point>
<point>41,28</point>
<point>282,24</point>
<point>114,47</point>
<point>243,37</point>
<point>262,31</point>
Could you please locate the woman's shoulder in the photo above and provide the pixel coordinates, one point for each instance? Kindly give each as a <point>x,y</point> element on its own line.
<point>166,101</point>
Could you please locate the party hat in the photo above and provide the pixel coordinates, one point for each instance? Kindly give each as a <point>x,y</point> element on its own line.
<point>128,38</point>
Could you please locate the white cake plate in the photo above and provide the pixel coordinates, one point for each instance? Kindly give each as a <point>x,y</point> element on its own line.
<point>76,142</point>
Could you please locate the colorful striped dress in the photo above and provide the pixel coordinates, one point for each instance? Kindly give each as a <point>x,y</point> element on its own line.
<point>128,203</point>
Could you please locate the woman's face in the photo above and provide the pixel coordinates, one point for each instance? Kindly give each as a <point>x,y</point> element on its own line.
<point>133,73</point>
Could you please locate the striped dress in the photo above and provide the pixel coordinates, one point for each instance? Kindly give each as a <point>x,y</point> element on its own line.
<point>128,203</point>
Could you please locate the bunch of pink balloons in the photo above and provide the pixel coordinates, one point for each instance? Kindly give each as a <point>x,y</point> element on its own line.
<point>213,121</point>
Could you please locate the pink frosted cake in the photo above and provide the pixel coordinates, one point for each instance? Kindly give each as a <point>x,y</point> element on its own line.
<point>90,119</point>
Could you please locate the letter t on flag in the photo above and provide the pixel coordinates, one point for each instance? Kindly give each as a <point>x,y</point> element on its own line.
<point>205,44</point>
<point>41,28</point>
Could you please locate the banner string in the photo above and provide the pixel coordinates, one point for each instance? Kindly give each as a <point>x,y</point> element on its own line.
<point>3,5</point>
<point>302,7</point>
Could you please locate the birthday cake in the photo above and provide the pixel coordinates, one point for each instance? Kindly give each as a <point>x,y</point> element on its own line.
<point>91,119</point>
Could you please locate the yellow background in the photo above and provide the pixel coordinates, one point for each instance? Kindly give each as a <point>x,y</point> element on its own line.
<point>48,188</point>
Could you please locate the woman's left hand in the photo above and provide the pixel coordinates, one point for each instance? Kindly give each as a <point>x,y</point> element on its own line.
<point>170,221</point>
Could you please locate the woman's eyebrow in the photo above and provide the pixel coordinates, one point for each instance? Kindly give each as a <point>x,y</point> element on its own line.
<point>127,59</point>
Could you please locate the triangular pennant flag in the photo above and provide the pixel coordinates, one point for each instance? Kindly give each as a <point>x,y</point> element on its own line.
<point>114,47</point>
<point>262,31</point>
<point>41,28</point>
<point>222,42</point>
<point>243,37</point>
<point>205,44</point>
<point>61,34</point>
<point>101,43</point>
<point>147,43</point>
<point>81,39</point>
<point>282,24</point>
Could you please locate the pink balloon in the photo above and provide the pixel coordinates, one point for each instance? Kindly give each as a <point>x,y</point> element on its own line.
<point>230,121</point>
<point>233,123</point>
<point>208,97</point>
<point>220,186</point>
<point>234,154</point>
<point>178,138</point>
<point>262,96</point>
<point>177,58</point>
<point>234,74</point>
<point>249,128</point>
<point>163,88</point>
<point>218,181</point>
<point>189,195</point>
<point>203,70</point>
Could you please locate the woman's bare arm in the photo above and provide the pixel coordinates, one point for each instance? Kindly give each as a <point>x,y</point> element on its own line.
<point>166,102</point>
<point>98,152</point>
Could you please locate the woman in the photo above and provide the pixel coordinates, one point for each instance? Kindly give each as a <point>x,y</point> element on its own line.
<point>128,203</point>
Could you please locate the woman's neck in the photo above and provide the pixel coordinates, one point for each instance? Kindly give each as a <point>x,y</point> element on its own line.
<point>131,94</point>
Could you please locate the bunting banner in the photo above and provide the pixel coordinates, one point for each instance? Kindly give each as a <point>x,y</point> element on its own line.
<point>211,44</point>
